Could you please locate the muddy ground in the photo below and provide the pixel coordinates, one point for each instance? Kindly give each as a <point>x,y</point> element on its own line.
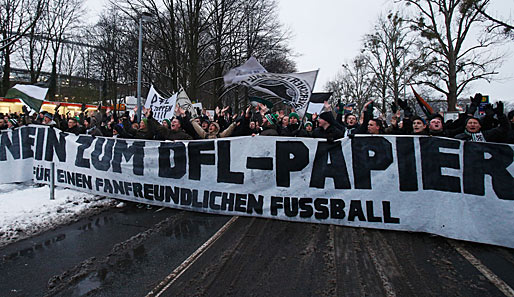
<point>259,257</point>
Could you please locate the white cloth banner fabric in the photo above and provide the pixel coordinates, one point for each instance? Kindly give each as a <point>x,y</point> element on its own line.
<point>456,189</point>
<point>185,103</point>
<point>252,66</point>
<point>163,108</point>
<point>315,108</point>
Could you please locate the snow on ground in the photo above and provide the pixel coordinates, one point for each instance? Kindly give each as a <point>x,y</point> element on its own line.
<point>26,209</point>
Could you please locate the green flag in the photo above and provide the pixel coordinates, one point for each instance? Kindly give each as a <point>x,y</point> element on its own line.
<point>30,95</point>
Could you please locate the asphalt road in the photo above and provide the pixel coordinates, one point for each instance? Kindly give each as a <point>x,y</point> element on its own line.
<point>176,253</point>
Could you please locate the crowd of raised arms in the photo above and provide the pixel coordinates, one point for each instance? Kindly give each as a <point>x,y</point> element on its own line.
<point>257,119</point>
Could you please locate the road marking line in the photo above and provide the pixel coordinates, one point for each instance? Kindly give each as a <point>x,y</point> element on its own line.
<point>170,279</point>
<point>493,278</point>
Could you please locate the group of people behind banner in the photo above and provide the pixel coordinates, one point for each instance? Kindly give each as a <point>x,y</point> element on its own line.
<point>258,119</point>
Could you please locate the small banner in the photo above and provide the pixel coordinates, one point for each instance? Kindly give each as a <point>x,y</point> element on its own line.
<point>163,108</point>
<point>460,190</point>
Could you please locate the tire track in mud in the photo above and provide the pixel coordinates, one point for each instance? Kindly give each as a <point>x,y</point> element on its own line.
<point>263,258</point>
<point>425,265</point>
<point>133,266</point>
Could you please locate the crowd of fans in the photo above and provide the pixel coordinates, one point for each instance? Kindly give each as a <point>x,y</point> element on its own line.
<point>257,119</point>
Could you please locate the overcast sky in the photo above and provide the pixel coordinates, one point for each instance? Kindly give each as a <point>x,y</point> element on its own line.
<point>328,33</point>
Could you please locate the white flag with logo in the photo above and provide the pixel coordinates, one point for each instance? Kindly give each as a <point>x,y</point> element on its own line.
<point>294,89</point>
<point>162,108</point>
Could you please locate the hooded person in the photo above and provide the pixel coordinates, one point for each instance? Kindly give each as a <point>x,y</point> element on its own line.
<point>473,128</point>
<point>327,128</point>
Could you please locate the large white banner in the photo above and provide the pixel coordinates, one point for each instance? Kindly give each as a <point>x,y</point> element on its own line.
<point>461,190</point>
<point>163,108</point>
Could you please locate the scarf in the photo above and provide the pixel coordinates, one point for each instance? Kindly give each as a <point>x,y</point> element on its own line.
<point>476,137</point>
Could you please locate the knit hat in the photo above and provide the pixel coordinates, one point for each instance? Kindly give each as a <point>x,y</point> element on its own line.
<point>419,118</point>
<point>13,122</point>
<point>473,118</point>
<point>435,115</point>
<point>167,122</point>
<point>294,115</point>
<point>145,120</point>
<point>272,118</point>
<point>49,115</point>
<point>307,124</point>
<point>327,116</point>
<point>118,128</point>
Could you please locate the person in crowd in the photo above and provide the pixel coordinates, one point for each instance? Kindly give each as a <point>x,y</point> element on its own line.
<point>12,124</point>
<point>48,120</point>
<point>473,128</point>
<point>269,125</point>
<point>166,123</point>
<point>419,126</point>
<point>306,131</point>
<point>351,123</point>
<point>435,125</point>
<point>327,128</point>
<point>282,128</point>
<point>72,126</point>
<point>294,123</point>
<point>175,132</point>
<point>3,125</point>
<point>369,125</point>
<point>510,134</point>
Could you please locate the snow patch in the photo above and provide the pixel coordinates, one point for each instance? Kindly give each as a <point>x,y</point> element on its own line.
<point>26,209</point>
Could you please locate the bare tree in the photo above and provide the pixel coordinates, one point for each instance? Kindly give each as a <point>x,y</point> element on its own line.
<point>455,60</point>
<point>354,83</point>
<point>15,22</point>
<point>62,18</point>
<point>505,27</point>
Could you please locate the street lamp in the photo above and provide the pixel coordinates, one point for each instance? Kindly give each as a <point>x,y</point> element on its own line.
<point>145,16</point>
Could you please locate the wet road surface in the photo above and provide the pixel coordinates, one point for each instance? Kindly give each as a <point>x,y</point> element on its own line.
<point>133,252</point>
<point>271,258</point>
<point>74,256</point>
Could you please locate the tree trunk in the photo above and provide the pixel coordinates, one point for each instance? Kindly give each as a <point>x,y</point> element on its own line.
<point>6,82</point>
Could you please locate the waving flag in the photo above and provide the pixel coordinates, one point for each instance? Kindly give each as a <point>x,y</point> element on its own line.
<point>293,89</point>
<point>30,95</point>
<point>427,109</point>
<point>317,102</point>
<point>163,108</point>
<point>252,66</point>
